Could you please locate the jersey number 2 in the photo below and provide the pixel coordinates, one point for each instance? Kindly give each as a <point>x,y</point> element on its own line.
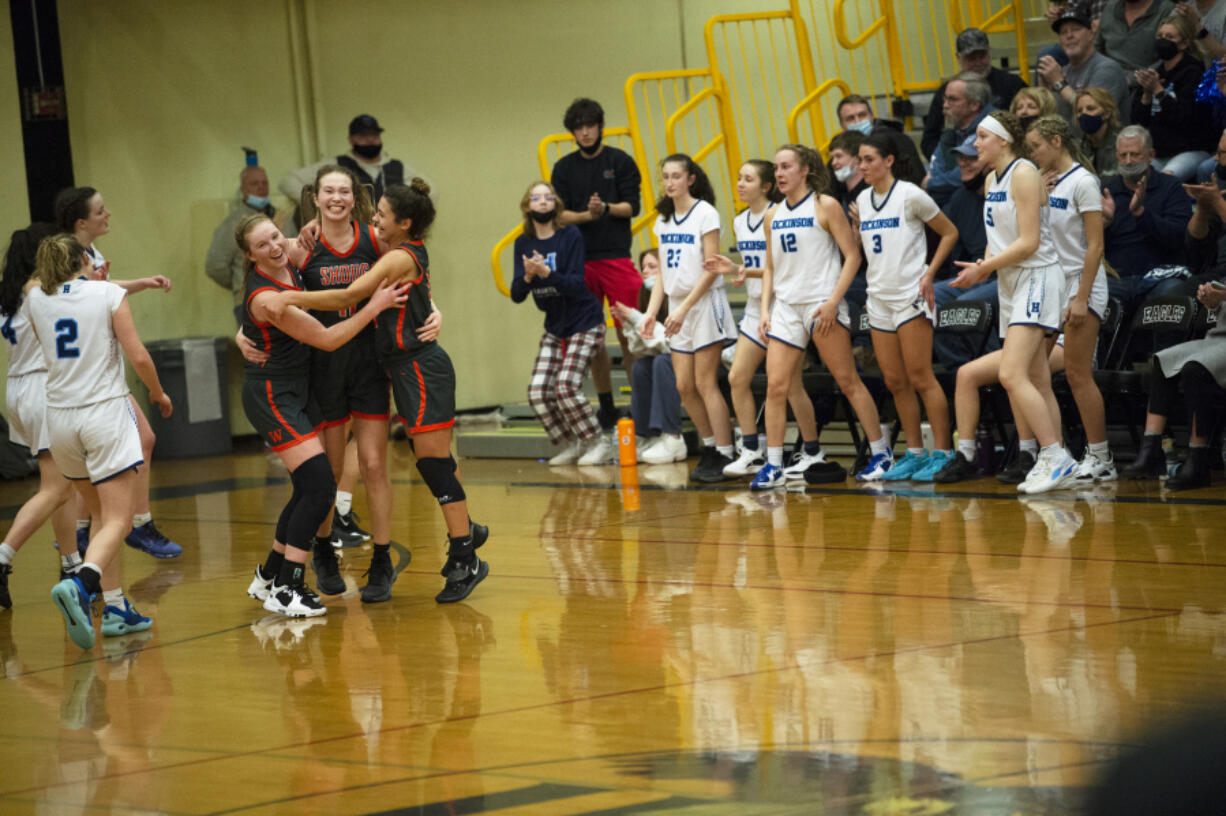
<point>65,337</point>
<point>672,259</point>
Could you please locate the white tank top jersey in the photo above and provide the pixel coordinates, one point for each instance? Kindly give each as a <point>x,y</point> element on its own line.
<point>892,231</point>
<point>84,363</point>
<point>25,355</point>
<point>1000,221</point>
<point>806,258</point>
<point>1076,192</point>
<point>680,238</point>
<point>100,264</point>
<point>751,243</point>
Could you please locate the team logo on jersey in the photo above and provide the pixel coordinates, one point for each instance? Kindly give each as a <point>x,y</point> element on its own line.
<point>608,174</point>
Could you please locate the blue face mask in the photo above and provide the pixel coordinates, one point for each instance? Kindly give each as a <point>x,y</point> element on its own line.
<point>1088,123</point>
<point>259,202</point>
<point>864,126</point>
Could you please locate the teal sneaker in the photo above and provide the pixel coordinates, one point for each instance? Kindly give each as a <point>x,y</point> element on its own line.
<point>936,460</point>
<point>906,467</point>
<point>116,621</point>
<point>73,602</point>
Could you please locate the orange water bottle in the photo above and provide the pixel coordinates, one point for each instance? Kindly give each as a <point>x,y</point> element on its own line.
<point>627,454</point>
<point>630,488</point>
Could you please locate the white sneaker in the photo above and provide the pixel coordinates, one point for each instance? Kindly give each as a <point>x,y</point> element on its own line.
<point>799,462</point>
<point>747,464</point>
<point>670,448</point>
<point>1094,469</point>
<point>260,587</point>
<point>568,455</point>
<point>643,444</point>
<point>1053,471</point>
<point>1062,522</point>
<point>599,452</point>
<point>296,602</point>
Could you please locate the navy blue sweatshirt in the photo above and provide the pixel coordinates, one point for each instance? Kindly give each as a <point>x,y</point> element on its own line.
<point>569,306</point>
<point>1136,245</point>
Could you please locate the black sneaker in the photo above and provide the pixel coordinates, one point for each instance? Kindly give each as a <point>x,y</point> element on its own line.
<point>1016,473</point>
<point>346,532</point>
<point>380,577</point>
<point>957,469</point>
<point>462,578</point>
<point>328,572</point>
<point>6,600</point>
<point>711,466</point>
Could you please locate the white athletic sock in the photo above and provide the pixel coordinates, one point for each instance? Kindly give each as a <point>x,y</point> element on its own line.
<point>113,597</point>
<point>915,451</point>
<point>967,448</point>
<point>726,450</point>
<point>82,524</point>
<point>882,445</point>
<point>1101,449</point>
<point>708,441</point>
<point>344,501</point>
<point>1030,446</point>
<point>71,562</point>
<point>1053,450</point>
<point>141,519</point>
<point>6,553</point>
<point>775,456</point>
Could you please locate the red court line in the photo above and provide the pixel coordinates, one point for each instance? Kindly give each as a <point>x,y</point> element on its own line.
<point>568,702</point>
<point>1078,558</point>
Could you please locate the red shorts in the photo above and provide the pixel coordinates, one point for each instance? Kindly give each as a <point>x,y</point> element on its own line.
<point>615,280</point>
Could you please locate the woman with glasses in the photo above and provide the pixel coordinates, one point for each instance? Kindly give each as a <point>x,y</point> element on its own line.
<point>549,266</point>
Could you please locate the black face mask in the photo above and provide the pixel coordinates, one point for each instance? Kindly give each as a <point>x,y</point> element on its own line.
<point>368,151</point>
<point>1026,121</point>
<point>542,217</point>
<point>974,185</point>
<point>595,148</point>
<point>1165,49</point>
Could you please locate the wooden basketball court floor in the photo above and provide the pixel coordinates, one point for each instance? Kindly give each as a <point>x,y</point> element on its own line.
<point>841,650</point>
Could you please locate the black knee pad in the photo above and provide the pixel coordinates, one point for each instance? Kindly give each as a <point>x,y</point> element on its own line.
<point>315,490</point>
<point>439,476</point>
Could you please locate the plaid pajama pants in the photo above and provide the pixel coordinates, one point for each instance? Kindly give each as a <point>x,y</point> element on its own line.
<point>556,389</point>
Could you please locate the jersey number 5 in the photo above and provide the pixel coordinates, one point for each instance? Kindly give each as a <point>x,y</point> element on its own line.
<point>788,241</point>
<point>65,335</point>
<point>987,217</point>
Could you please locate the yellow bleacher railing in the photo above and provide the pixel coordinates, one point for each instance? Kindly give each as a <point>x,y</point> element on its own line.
<point>762,72</point>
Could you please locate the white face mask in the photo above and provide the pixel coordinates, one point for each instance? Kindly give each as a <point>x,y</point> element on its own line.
<point>864,126</point>
<point>648,283</point>
<point>843,173</point>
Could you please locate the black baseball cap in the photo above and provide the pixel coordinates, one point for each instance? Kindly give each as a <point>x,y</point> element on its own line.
<point>364,124</point>
<point>1075,12</point>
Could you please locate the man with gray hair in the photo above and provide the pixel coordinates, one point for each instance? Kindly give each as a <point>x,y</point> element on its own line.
<point>974,57</point>
<point>967,101</point>
<point>224,263</point>
<point>1145,215</point>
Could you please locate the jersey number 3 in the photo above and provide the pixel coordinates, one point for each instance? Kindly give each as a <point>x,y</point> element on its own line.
<point>65,337</point>
<point>876,244</point>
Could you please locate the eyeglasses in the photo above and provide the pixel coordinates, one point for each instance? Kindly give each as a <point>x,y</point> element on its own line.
<point>542,198</point>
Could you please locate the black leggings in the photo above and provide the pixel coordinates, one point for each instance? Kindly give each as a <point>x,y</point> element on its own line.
<point>1203,394</point>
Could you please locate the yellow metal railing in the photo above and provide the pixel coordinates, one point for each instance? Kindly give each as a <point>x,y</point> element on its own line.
<point>762,71</point>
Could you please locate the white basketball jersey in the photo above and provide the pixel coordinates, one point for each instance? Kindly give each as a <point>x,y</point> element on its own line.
<point>25,355</point>
<point>892,231</point>
<point>1000,220</point>
<point>100,264</point>
<point>1076,192</point>
<point>751,243</point>
<point>805,257</point>
<point>84,364</point>
<point>680,238</point>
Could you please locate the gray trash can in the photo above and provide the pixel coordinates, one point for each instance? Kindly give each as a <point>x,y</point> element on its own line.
<point>193,372</point>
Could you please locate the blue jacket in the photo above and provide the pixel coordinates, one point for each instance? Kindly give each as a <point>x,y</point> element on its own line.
<point>569,306</point>
<point>1134,246</point>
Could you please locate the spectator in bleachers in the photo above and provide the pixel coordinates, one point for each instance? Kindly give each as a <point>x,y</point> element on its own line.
<point>965,210</point>
<point>1208,19</point>
<point>1031,103</point>
<point>967,102</point>
<point>1146,215</point>
<point>856,114</point>
<point>846,179</point>
<point>1206,239</point>
<point>1098,120</point>
<point>225,261</point>
<point>1086,67</point>
<point>974,57</point>
<point>1127,30</point>
<point>1165,102</point>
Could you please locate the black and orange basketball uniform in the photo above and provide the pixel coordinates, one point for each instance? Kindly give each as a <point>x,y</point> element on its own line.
<point>423,379</point>
<point>276,395</point>
<point>347,382</point>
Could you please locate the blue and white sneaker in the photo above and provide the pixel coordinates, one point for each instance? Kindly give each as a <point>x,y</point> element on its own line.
<point>73,602</point>
<point>768,478</point>
<point>907,467</point>
<point>878,465</point>
<point>116,621</point>
<point>1051,471</point>
<point>149,539</point>
<point>936,460</point>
